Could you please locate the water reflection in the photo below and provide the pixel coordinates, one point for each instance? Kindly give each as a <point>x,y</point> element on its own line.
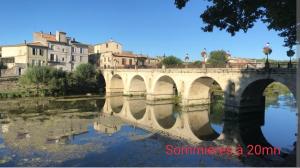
<point>165,115</point>
<point>58,132</point>
<point>116,104</point>
<point>200,123</point>
<point>137,107</point>
<point>280,126</point>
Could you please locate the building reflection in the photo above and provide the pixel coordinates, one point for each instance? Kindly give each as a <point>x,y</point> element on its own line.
<point>53,123</point>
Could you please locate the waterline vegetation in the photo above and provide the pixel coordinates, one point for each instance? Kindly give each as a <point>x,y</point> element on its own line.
<point>48,81</point>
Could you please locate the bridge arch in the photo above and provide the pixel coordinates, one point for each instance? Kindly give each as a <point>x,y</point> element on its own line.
<point>137,85</point>
<point>256,87</point>
<point>165,87</point>
<point>252,110</point>
<point>116,84</point>
<point>199,92</point>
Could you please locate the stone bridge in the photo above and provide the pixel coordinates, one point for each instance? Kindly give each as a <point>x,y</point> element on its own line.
<point>243,88</point>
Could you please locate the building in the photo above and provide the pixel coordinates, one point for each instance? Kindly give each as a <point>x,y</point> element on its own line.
<point>243,62</point>
<point>24,55</point>
<point>63,52</point>
<point>109,46</point>
<point>112,56</point>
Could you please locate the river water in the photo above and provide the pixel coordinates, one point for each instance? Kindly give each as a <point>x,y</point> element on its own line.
<point>124,131</point>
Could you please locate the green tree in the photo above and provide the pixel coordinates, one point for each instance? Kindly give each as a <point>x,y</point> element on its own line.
<point>85,71</point>
<point>217,58</point>
<point>44,78</point>
<point>171,60</point>
<point>85,78</point>
<point>236,15</point>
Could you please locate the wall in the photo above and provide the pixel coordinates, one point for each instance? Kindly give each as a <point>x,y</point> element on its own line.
<point>112,47</point>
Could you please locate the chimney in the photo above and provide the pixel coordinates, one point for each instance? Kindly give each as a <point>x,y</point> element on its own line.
<point>61,36</point>
<point>25,42</point>
<point>50,33</point>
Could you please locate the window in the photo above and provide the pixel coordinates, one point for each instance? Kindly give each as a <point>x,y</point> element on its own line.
<point>106,45</point>
<point>51,57</point>
<point>33,51</point>
<point>52,47</point>
<point>73,49</point>
<point>123,61</point>
<point>41,52</point>
<point>72,58</point>
<point>130,62</point>
<point>117,46</point>
<point>63,59</point>
<point>81,50</point>
<point>63,50</point>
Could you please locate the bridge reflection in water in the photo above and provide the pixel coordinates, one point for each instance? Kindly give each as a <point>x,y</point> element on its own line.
<point>192,123</point>
<point>64,126</point>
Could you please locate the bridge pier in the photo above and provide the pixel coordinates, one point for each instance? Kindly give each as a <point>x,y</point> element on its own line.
<point>134,93</point>
<point>193,102</point>
<point>156,97</point>
<point>249,110</point>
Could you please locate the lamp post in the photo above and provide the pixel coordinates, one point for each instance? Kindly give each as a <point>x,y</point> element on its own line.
<point>228,56</point>
<point>290,54</point>
<point>136,63</point>
<point>115,63</point>
<point>267,51</point>
<point>204,55</point>
<point>186,59</point>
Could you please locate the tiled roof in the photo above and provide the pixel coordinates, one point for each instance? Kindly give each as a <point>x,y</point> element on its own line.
<point>37,44</point>
<point>129,55</point>
<point>27,44</point>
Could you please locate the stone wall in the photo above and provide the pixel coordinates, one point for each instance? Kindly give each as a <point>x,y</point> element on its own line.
<point>9,84</point>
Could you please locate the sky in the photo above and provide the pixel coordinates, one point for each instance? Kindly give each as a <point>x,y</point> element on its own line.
<point>151,27</point>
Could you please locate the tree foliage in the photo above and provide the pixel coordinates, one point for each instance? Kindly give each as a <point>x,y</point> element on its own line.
<point>236,15</point>
<point>217,58</point>
<point>59,82</point>
<point>171,60</point>
<point>85,71</point>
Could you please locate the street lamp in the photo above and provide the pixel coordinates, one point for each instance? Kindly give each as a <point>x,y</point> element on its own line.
<point>115,63</point>
<point>228,56</point>
<point>186,59</point>
<point>267,51</point>
<point>290,54</point>
<point>204,55</point>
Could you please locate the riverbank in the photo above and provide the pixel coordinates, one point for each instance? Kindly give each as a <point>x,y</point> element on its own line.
<point>47,81</point>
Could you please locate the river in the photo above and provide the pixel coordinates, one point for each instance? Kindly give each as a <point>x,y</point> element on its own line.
<point>127,131</point>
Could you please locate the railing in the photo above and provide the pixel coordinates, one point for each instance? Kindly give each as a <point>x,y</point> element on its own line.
<point>273,65</point>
